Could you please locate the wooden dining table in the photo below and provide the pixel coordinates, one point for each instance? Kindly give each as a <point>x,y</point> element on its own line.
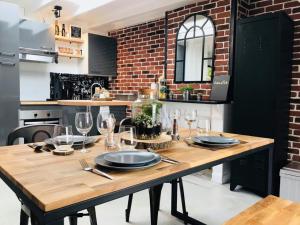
<point>54,187</point>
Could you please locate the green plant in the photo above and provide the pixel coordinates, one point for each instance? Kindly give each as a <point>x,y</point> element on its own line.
<point>186,88</point>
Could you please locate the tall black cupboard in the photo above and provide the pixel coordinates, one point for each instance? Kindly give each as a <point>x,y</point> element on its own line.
<point>261,95</point>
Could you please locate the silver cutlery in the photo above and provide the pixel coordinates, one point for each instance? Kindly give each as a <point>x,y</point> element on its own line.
<point>164,158</point>
<point>85,166</point>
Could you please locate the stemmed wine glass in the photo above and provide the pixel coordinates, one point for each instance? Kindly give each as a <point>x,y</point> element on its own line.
<point>84,124</point>
<point>190,117</point>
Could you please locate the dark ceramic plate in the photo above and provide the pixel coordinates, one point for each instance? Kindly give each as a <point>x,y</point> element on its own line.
<point>100,161</point>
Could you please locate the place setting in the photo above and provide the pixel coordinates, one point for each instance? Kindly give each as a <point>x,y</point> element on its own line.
<point>204,137</point>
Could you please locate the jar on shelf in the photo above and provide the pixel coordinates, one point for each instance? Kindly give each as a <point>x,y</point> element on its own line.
<point>146,116</point>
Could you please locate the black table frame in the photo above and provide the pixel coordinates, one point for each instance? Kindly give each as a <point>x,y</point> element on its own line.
<point>56,217</point>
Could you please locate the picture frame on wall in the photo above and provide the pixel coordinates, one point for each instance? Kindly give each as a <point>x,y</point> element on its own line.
<point>75,32</point>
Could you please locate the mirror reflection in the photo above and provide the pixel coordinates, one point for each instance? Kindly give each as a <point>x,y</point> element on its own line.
<point>195,50</point>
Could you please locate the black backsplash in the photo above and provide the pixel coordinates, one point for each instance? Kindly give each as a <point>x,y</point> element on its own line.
<point>73,86</point>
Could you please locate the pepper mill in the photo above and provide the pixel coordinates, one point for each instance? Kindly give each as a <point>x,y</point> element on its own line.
<point>175,116</point>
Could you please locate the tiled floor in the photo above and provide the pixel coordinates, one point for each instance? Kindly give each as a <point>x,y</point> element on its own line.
<point>211,203</point>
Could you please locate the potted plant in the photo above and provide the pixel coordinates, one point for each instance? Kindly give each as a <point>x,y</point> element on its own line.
<point>186,92</point>
<point>146,116</point>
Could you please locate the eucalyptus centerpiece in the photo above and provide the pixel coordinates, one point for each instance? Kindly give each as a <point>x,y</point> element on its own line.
<point>146,116</point>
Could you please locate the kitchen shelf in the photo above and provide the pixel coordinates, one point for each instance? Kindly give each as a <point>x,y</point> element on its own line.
<point>70,40</point>
<point>212,102</point>
<point>70,55</point>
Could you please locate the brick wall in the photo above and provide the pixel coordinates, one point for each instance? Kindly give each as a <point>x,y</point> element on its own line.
<point>292,7</point>
<point>141,51</point>
<point>141,47</point>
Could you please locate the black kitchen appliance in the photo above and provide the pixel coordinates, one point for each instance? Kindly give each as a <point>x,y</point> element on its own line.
<point>73,86</point>
<point>261,95</point>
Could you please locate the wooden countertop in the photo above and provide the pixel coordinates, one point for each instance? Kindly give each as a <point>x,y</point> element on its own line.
<point>53,182</point>
<point>269,211</point>
<point>93,103</point>
<point>77,103</point>
<point>39,103</point>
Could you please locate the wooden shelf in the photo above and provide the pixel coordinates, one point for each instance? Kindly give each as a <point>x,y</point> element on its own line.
<point>70,55</point>
<point>70,40</point>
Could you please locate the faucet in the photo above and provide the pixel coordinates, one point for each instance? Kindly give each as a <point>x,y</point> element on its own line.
<point>94,84</point>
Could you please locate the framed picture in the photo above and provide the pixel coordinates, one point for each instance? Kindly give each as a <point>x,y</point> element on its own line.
<point>75,32</point>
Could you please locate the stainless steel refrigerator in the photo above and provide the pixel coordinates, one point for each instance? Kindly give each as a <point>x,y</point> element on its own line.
<point>9,69</point>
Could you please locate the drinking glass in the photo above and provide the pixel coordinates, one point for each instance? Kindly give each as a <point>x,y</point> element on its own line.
<point>84,124</point>
<point>190,117</point>
<point>127,136</point>
<point>63,138</point>
<point>203,127</point>
<point>102,122</point>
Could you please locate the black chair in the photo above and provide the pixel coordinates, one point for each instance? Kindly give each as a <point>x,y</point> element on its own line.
<point>128,122</point>
<point>38,133</point>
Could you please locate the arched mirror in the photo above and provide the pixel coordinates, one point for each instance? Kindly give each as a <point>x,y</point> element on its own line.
<point>195,50</point>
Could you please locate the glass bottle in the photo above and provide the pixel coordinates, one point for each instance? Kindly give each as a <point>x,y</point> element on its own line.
<point>56,28</point>
<point>146,116</point>
<point>63,30</point>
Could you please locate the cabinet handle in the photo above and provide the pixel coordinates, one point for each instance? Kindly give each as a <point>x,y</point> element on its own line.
<point>7,64</point>
<point>46,48</point>
<point>7,54</point>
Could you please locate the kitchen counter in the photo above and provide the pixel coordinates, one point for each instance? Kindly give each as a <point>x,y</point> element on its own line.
<point>77,103</point>
<point>93,103</point>
<point>37,103</point>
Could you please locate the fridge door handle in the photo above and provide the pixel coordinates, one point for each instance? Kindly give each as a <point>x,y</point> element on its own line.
<point>7,54</point>
<point>7,63</point>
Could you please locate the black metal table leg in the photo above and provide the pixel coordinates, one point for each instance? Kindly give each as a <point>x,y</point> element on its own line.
<point>174,211</point>
<point>92,215</point>
<point>24,218</point>
<point>127,211</point>
<point>155,193</point>
<point>270,170</point>
<point>73,220</point>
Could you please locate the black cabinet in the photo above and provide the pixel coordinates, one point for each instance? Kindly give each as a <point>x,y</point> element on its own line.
<point>261,94</point>
<point>102,54</point>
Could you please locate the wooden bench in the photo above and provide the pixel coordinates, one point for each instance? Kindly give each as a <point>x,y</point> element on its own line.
<point>269,211</point>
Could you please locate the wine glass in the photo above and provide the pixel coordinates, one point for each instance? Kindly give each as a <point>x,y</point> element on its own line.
<point>84,124</point>
<point>203,127</point>
<point>63,138</point>
<point>102,122</point>
<point>190,117</point>
<point>127,136</point>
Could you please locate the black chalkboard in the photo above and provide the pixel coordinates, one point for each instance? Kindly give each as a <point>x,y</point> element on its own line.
<point>75,32</point>
<point>219,90</point>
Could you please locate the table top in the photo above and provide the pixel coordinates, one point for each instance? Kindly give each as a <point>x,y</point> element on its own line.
<point>54,182</point>
<point>269,211</point>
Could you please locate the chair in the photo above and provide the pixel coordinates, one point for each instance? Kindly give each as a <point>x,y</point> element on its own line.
<point>128,122</point>
<point>38,133</point>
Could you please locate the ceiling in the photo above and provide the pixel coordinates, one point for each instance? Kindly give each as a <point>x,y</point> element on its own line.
<point>99,16</point>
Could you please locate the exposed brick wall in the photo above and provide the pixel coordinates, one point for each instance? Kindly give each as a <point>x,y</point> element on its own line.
<point>141,51</point>
<point>141,47</point>
<point>292,7</point>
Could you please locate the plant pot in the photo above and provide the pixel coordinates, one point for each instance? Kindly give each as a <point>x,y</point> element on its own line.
<point>186,95</point>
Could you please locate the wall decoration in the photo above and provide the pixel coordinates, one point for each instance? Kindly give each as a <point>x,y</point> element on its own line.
<point>75,32</point>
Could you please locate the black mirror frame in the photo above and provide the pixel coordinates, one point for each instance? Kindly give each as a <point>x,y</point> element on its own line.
<point>212,58</point>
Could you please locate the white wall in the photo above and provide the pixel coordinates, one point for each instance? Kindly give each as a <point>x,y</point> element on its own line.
<point>35,77</point>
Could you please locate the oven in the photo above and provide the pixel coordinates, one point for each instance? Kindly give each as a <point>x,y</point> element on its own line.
<point>39,117</point>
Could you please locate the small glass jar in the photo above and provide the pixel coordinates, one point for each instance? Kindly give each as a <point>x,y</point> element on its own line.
<point>146,116</point>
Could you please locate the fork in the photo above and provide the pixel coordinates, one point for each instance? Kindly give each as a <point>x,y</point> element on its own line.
<point>164,158</point>
<point>85,166</point>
